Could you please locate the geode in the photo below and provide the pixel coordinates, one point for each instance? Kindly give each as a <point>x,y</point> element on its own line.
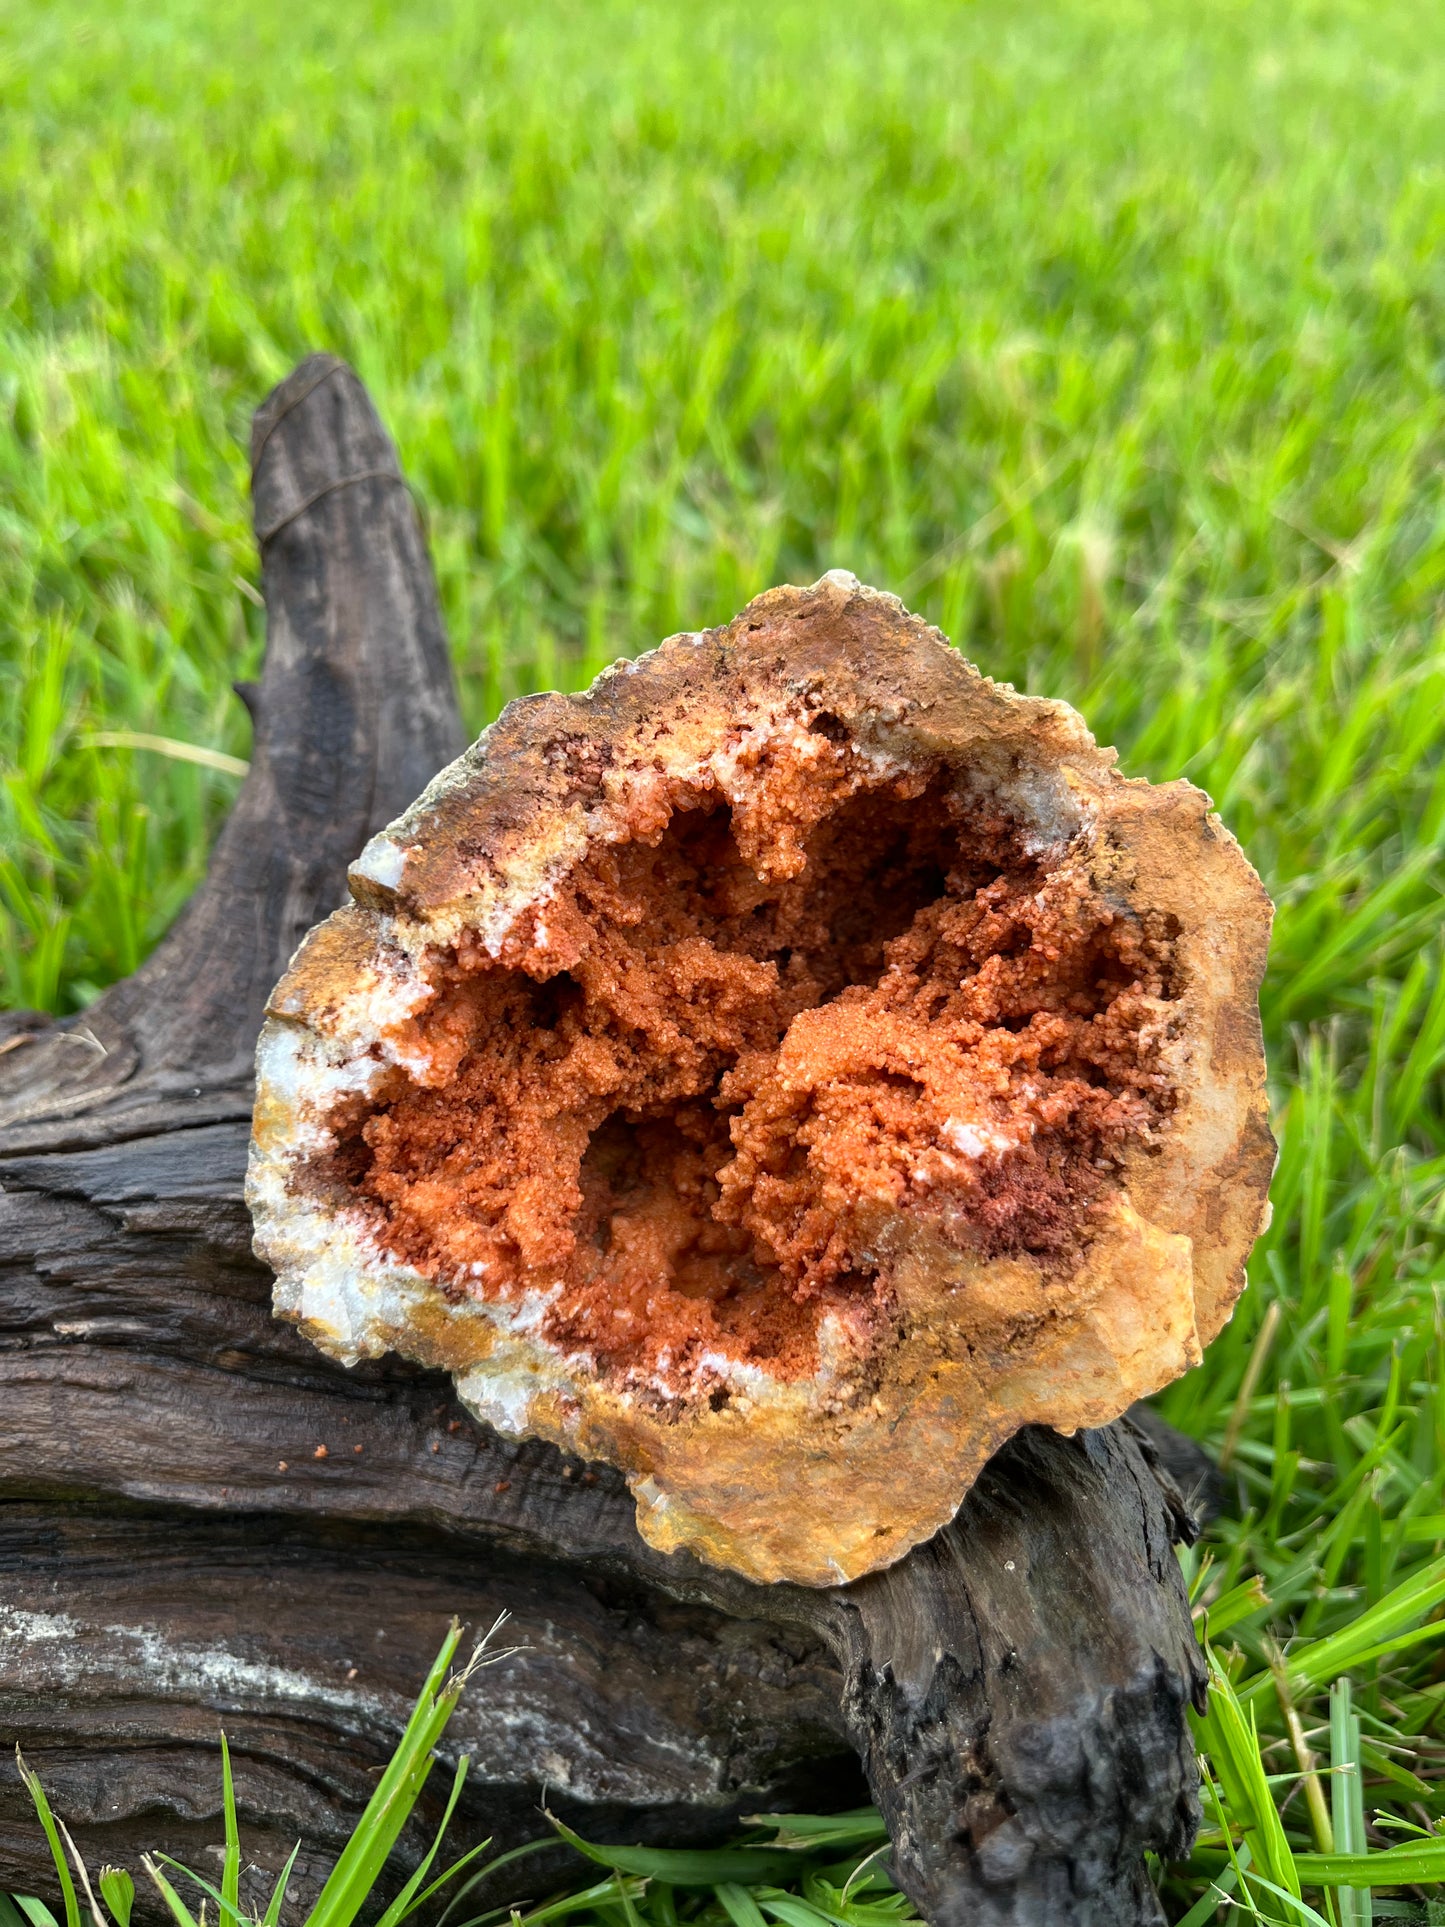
<point>781,1072</point>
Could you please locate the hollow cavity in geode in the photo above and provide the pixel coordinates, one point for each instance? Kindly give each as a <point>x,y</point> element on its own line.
<point>782,1073</point>
<point>686,1096</point>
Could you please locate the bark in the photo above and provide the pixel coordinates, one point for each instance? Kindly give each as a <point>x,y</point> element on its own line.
<point>205,1523</point>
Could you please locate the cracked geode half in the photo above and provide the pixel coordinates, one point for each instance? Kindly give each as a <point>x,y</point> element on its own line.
<point>781,1072</point>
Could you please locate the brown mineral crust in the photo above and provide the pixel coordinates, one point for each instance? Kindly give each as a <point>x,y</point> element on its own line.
<point>784,1072</point>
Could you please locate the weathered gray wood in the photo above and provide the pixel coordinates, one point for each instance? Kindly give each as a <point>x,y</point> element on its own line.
<point>202,1520</point>
<point>309,1642</point>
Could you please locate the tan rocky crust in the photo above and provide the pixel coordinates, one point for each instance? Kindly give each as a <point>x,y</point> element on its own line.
<point>781,1072</point>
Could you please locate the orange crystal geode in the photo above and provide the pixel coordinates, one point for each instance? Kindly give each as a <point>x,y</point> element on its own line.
<point>781,1072</point>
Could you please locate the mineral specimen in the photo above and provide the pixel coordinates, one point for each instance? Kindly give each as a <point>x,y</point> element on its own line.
<point>781,1072</point>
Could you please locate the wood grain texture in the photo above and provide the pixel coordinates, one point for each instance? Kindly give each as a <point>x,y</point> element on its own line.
<point>204,1522</point>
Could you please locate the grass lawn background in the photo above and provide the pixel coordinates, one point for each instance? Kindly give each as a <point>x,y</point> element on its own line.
<point>1110,335</point>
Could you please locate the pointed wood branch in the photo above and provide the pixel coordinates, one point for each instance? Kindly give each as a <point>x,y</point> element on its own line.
<point>354,712</point>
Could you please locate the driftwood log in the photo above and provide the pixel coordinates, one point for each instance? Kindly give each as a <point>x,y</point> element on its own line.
<point>206,1524</point>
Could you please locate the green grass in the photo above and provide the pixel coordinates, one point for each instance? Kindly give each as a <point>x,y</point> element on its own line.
<point>1109,334</point>
<point>799,1870</point>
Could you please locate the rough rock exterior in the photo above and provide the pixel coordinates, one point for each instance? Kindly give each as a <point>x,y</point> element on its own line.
<point>782,1072</point>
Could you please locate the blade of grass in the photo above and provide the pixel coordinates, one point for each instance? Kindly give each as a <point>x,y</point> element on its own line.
<point>741,1909</point>
<point>82,1875</point>
<point>212,1892</point>
<point>1209,1903</point>
<point>52,1836</point>
<point>1347,1798</point>
<point>117,1890</point>
<point>795,1912</point>
<point>272,1915</point>
<point>483,1873</point>
<point>1231,1741</point>
<point>1240,1602</point>
<point>1374,1634</point>
<point>686,1867</point>
<point>1296,1903</point>
<point>407,1901</point>
<point>179,752</point>
<point>361,1860</point>
<point>35,1911</point>
<point>1304,1757</point>
<point>231,1864</point>
<point>177,1908</point>
<point>1409,1865</point>
<point>604,1892</point>
<point>1263,1344</point>
<point>450,1873</point>
<point>809,1831</point>
<point>865,1867</point>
